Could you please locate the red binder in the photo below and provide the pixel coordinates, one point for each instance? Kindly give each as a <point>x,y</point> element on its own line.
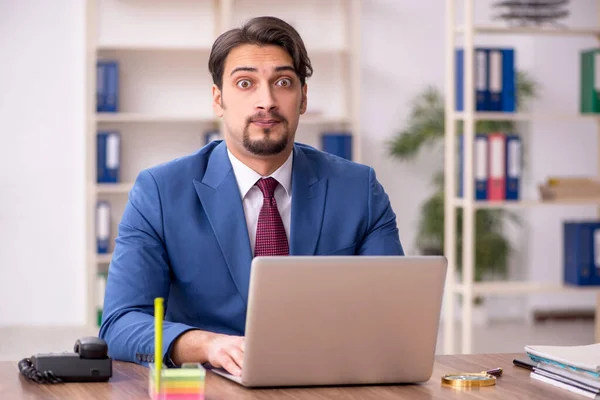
<point>497,170</point>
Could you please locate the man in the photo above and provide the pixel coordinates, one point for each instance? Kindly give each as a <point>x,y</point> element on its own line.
<point>192,226</point>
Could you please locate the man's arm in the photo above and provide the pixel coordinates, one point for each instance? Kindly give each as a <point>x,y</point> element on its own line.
<point>382,236</point>
<point>138,273</point>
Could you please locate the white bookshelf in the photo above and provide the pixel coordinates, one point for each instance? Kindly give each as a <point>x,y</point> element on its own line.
<point>549,31</point>
<point>468,289</point>
<point>165,101</point>
<point>140,117</point>
<point>104,258</point>
<point>558,116</point>
<point>479,204</point>
<point>154,48</point>
<point>113,188</point>
<point>106,117</point>
<point>516,288</point>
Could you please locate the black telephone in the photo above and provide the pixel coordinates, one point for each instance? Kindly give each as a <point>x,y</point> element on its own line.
<point>89,363</point>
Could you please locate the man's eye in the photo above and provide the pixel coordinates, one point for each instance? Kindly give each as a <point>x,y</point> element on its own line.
<point>244,84</point>
<point>285,82</point>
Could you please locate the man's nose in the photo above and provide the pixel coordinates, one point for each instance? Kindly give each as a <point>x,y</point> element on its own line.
<point>266,100</point>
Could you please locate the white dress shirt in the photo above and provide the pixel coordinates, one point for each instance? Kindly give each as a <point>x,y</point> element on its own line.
<point>252,197</point>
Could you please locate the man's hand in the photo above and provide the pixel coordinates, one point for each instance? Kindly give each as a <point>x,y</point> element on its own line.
<point>221,351</point>
<point>227,352</point>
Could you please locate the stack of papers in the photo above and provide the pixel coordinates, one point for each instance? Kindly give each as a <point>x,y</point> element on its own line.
<point>574,368</point>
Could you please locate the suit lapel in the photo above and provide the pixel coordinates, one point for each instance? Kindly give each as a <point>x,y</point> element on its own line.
<point>220,197</point>
<point>308,204</point>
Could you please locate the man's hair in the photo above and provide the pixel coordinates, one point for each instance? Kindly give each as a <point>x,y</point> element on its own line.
<point>260,31</point>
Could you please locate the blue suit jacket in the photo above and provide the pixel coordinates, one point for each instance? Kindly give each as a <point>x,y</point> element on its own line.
<point>183,237</point>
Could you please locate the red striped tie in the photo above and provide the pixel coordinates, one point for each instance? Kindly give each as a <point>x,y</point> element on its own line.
<point>271,239</point>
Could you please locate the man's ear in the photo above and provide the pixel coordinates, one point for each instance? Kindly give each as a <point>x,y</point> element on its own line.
<point>304,99</point>
<point>217,101</point>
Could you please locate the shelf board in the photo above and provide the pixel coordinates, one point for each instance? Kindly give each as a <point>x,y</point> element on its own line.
<point>327,50</point>
<point>103,258</point>
<point>518,116</point>
<point>520,287</point>
<point>113,188</point>
<point>153,48</point>
<point>309,119</point>
<point>139,117</point>
<point>106,117</point>
<point>201,49</point>
<point>480,204</point>
<point>550,31</point>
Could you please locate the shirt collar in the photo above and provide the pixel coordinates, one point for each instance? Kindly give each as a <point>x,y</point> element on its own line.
<point>246,177</point>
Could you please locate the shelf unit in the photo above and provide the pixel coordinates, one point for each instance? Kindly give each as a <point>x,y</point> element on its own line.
<point>114,188</point>
<point>174,118</point>
<point>516,287</point>
<point>468,288</point>
<point>552,31</point>
<point>163,114</point>
<point>520,116</point>
<point>141,117</point>
<point>479,204</point>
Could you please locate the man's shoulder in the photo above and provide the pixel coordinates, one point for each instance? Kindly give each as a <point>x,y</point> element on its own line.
<point>191,165</point>
<point>332,165</point>
<point>322,163</point>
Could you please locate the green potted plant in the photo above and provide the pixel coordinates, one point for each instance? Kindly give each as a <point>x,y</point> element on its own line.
<point>425,129</point>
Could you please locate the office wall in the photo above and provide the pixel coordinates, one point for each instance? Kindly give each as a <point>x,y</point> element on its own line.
<point>41,162</point>
<point>42,167</point>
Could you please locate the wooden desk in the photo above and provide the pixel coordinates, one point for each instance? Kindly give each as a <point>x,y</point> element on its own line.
<point>129,381</point>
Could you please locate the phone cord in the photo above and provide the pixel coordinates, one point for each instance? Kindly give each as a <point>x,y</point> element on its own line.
<point>28,371</point>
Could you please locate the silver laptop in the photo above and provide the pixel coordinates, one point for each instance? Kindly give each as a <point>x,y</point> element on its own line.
<point>336,320</point>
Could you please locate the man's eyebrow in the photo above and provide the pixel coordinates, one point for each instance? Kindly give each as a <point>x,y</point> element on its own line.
<point>285,68</point>
<point>247,69</point>
<point>252,69</point>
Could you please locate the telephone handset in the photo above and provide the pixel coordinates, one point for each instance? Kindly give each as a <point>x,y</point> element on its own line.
<point>88,363</point>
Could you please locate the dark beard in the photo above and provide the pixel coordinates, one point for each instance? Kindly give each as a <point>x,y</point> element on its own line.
<point>266,146</point>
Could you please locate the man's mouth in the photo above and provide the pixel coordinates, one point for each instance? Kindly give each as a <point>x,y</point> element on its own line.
<point>266,123</point>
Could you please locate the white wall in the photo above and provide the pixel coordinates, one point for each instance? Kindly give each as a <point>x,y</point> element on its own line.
<point>41,162</point>
<point>399,58</point>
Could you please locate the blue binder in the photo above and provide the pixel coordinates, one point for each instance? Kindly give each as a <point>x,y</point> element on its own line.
<point>569,273</point>
<point>581,252</point>
<point>108,157</point>
<point>100,88</point>
<point>481,70</point>
<point>514,158</point>
<point>339,144</point>
<point>102,226</point>
<point>496,80</point>
<point>509,94</point>
<point>480,166</point>
<point>108,72</point>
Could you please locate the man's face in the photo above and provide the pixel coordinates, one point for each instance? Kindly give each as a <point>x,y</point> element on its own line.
<point>261,100</point>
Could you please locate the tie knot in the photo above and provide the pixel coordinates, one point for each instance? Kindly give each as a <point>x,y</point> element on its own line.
<point>267,186</point>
